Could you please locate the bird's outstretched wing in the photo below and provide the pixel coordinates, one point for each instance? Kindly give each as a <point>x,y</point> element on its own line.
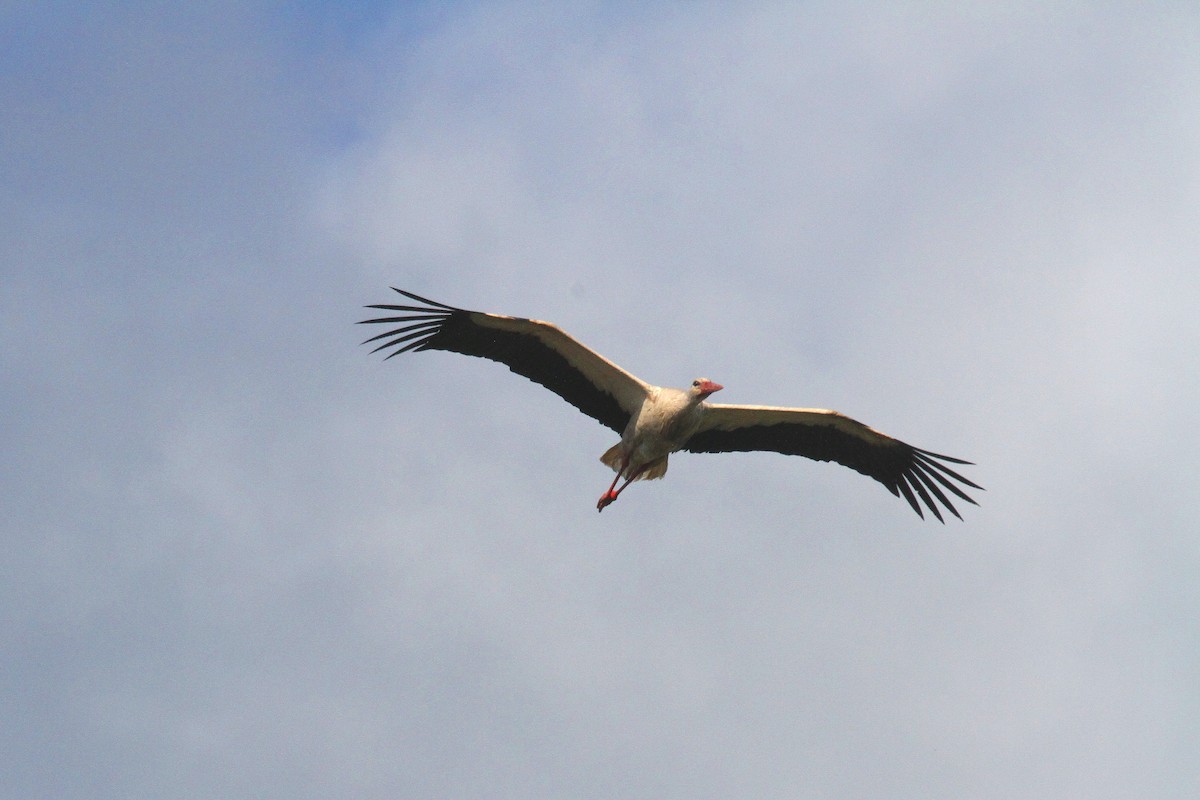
<point>829,436</point>
<point>537,350</point>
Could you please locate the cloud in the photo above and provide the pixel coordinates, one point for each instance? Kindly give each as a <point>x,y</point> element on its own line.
<point>247,558</point>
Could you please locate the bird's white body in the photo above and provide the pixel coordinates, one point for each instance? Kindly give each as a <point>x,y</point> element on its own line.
<point>663,423</point>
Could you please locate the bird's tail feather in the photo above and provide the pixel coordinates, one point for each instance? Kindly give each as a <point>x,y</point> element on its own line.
<point>613,457</point>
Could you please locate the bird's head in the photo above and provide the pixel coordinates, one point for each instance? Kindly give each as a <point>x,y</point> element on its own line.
<point>703,387</point>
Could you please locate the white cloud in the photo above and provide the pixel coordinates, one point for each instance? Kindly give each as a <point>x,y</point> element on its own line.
<point>246,558</point>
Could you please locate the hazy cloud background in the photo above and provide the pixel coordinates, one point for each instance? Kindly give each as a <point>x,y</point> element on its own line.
<point>244,558</point>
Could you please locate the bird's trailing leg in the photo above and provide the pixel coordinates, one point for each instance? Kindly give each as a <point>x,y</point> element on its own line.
<point>611,495</point>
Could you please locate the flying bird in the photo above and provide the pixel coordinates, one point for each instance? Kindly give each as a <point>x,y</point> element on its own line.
<point>655,421</point>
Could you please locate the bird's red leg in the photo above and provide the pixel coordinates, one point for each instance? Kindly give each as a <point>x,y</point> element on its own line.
<point>610,495</point>
<point>630,480</point>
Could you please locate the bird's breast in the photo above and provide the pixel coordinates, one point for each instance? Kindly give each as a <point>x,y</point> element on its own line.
<point>661,427</point>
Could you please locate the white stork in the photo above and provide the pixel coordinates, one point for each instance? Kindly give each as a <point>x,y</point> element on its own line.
<point>655,421</point>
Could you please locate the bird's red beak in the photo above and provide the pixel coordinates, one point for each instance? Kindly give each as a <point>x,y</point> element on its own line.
<point>708,387</point>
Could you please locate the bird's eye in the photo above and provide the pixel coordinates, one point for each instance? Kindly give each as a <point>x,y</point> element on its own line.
<point>695,383</point>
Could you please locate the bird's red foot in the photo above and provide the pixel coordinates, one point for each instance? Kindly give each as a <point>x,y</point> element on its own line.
<point>605,499</point>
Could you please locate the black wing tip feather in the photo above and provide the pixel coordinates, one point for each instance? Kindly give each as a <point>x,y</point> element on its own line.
<point>928,476</point>
<point>427,321</point>
<point>941,457</point>
<point>424,300</point>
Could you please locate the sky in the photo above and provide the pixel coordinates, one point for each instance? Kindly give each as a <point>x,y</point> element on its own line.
<point>245,558</point>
